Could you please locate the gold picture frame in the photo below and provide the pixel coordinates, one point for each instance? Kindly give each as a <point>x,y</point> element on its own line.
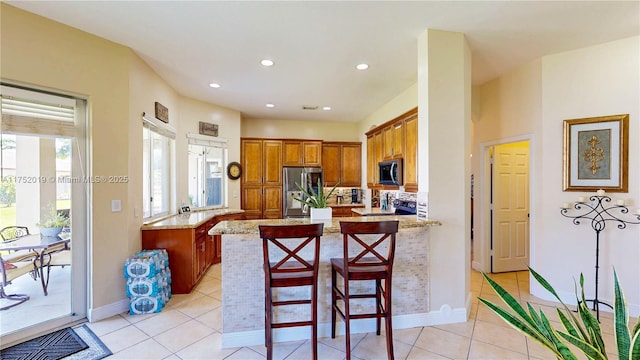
<point>595,154</point>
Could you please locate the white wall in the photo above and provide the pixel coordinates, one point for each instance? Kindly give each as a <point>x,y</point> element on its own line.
<point>594,81</point>
<point>531,102</point>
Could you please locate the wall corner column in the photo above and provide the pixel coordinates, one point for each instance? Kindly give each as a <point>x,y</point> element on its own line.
<point>444,145</point>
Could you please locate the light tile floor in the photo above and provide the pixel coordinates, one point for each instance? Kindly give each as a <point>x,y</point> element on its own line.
<point>190,328</point>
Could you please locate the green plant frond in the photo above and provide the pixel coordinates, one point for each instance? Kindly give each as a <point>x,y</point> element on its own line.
<point>621,320</point>
<point>315,200</point>
<point>568,325</point>
<point>526,329</point>
<point>534,316</point>
<point>636,328</point>
<point>509,300</point>
<point>634,349</point>
<point>545,284</point>
<point>590,351</point>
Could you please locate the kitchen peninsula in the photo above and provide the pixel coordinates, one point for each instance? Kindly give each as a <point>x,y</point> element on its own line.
<point>243,279</point>
<point>191,251</point>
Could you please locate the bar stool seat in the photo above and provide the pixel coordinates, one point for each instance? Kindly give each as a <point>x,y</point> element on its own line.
<point>290,269</point>
<point>369,263</point>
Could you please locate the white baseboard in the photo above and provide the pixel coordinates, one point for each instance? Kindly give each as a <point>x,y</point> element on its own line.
<point>445,315</point>
<point>107,311</point>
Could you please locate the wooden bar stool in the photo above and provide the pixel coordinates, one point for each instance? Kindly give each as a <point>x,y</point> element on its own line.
<point>289,270</point>
<point>368,264</point>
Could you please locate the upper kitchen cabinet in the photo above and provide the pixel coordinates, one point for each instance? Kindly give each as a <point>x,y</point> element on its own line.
<point>411,152</point>
<point>261,161</point>
<point>375,154</point>
<point>302,153</point>
<point>342,163</point>
<point>397,138</point>
<point>261,185</point>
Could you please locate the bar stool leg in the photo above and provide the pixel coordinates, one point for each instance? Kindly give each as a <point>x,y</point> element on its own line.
<point>378,305</point>
<point>389,327</point>
<point>267,325</point>
<point>347,320</point>
<point>314,317</point>
<point>333,303</point>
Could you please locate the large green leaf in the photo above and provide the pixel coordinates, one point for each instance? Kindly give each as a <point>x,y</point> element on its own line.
<point>553,335</point>
<point>521,326</point>
<point>590,351</point>
<point>509,300</point>
<point>634,352</point>
<point>621,318</point>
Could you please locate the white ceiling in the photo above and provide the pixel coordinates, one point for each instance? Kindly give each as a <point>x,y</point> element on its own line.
<point>316,45</point>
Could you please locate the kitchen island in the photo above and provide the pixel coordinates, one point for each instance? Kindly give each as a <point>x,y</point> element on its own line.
<point>184,236</point>
<point>243,280</point>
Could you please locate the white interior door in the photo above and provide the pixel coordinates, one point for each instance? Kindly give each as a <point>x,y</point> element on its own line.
<point>510,240</point>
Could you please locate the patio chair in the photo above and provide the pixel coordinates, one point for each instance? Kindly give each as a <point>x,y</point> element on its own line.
<point>17,264</point>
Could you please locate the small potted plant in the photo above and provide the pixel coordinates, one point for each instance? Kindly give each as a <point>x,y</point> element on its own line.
<point>52,222</point>
<point>317,201</point>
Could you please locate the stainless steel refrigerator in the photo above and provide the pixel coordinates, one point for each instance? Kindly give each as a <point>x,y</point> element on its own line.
<point>306,177</point>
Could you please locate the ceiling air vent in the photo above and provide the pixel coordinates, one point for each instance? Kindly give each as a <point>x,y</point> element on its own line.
<point>307,107</point>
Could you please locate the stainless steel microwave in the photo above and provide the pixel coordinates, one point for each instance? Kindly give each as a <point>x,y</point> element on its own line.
<point>390,172</point>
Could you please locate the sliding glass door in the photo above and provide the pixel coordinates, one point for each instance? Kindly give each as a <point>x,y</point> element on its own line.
<point>42,164</point>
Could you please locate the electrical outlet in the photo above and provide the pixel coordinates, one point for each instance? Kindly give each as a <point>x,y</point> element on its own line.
<point>116,205</point>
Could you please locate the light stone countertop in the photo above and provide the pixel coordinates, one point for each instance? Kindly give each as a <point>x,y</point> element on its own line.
<point>330,226</point>
<point>188,220</point>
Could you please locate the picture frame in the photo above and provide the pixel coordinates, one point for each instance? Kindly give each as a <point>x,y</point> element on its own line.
<point>595,154</point>
<point>207,129</point>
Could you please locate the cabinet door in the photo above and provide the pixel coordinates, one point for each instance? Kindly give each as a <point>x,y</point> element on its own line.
<point>272,202</point>
<point>331,164</point>
<point>272,162</point>
<point>398,139</point>
<point>292,153</point>
<point>252,201</point>
<point>388,142</point>
<point>200,257</point>
<point>379,153</point>
<point>251,162</point>
<point>411,154</point>
<point>371,160</point>
<point>312,153</point>
<point>351,169</point>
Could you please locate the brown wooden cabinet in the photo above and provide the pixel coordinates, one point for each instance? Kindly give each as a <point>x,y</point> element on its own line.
<point>191,250</point>
<point>342,163</point>
<point>344,211</point>
<point>411,153</point>
<point>397,138</point>
<point>302,153</point>
<point>261,186</point>
<point>375,154</point>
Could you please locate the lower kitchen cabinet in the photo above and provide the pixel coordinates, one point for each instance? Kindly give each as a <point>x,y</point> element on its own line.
<point>191,250</point>
<point>344,211</point>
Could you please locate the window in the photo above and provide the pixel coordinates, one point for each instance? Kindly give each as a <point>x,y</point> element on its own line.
<point>157,142</point>
<point>207,164</point>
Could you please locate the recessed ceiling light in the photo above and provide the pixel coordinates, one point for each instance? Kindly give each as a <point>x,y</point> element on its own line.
<point>362,66</point>
<point>327,108</point>
<point>214,85</point>
<point>270,105</point>
<point>266,62</point>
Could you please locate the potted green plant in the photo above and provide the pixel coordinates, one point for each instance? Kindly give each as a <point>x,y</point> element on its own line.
<point>52,222</point>
<point>317,201</point>
<point>585,334</point>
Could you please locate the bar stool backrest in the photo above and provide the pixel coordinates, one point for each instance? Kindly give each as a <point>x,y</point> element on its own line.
<point>292,261</point>
<point>369,253</point>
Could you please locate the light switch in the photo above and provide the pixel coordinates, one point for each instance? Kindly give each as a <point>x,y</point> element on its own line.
<point>116,205</point>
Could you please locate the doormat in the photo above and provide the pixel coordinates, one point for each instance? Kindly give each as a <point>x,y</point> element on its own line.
<point>96,350</point>
<point>52,346</point>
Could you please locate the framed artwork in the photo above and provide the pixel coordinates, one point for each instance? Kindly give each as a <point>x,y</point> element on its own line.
<point>595,154</point>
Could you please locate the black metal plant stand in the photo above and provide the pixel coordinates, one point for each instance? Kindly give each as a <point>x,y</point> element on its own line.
<point>596,211</point>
